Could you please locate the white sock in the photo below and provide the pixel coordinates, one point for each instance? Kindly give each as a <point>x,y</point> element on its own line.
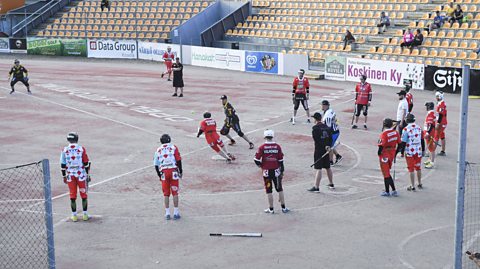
<point>175,210</point>
<point>167,211</point>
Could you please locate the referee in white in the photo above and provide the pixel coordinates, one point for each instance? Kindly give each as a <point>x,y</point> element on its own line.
<point>330,119</point>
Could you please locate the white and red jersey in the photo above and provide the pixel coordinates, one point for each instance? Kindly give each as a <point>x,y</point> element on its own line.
<point>168,56</point>
<point>167,156</point>
<point>412,135</point>
<point>73,157</point>
<point>442,110</point>
<point>300,85</point>
<point>363,92</point>
<point>409,98</point>
<point>389,139</point>
<point>270,155</point>
<point>430,120</point>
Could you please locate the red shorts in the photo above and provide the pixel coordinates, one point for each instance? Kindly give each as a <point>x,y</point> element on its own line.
<point>440,133</point>
<point>214,141</point>
<point>385,165</point>
<point>170,182</point>
<point>82,187</point>
<point>414,163</point>
<point>168,64</point>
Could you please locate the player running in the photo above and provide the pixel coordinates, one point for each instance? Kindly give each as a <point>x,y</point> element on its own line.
<point>414,147</point>
<point>168,164</point>
<point>269,157</point>
<point>429,134</point>
<point>18,73</point>
<point>363,97</point>
<point>300,92</point>
<point>387,149</point>
<point>209,127</point>
<point>232,121</point>
<point>75,168</point>
<point>441,121</point>
<point>168,57</point>
<point>330,119</point>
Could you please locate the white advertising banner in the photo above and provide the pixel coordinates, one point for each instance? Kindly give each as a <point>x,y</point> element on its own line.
<point>386,73</point>
<point>218,58</point>
<point>154,51</point>
<point>115,49</point>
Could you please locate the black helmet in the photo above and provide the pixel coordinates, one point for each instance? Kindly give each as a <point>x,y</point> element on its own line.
<point>429,105</point>
<point>207,115</point>
<point>165,139</point>
<point>410,118</point>
<point>325,103</point>
<point>387,122</point>
<point>72,137</point>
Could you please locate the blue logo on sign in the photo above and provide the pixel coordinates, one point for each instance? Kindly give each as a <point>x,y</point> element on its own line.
<point>261,62</point>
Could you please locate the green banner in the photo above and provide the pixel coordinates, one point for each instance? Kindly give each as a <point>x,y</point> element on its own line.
<point>57,47</point>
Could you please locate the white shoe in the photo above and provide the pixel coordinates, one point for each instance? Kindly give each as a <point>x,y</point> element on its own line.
<point>268,211</point>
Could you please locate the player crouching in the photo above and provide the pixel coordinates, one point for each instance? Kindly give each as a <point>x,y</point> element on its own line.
<point>387,149</point>
<point>209,127</point>
<point>269,157</point>
<point>168,164</point>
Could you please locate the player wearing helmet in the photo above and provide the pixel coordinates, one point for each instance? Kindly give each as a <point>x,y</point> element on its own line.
<point>209,127</point>
<point>18,73</point>
<point>75,171</point>
<point>232,121</point>
<point>413,145</point>
<point>168,57</point>
<point>363,97</point>
<point>387,148</point>
<point>441,124</point>
<point>300,94</point>
<point>168,164</point>
<point>269,158</point>
<point>330,119</point>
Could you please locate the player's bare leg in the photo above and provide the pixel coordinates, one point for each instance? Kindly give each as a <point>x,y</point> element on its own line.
<point>444,142</point>
<point>318,178</point>
<point>330,178</point>
<point>176,212</point>
<point>166,200</point>
<point>308,115</point>
<point>365,124</point>
<point>281,198</point>
<point>232,141</point>
<point>251,145</point>
<point>294,115</point>
<point>419,178</point>
<point>181,92</point>
<point>270,200</point>
<point>412,181</point>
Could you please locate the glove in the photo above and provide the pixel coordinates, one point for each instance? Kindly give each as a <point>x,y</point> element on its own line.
<point>327,148</point>
<point>308,96</point>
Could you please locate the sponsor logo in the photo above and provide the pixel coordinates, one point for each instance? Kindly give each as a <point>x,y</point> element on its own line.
<point>93,45</point>
<point>203,57</point>
<point>3,44</point>
<point>251,59</point>
<point>227,58</point>
<point>335,67</point>
<point>444,78</point>
<point>19,44</point>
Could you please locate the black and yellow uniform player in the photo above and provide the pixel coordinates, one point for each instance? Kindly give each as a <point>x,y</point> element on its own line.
<point>232,121</point>
<point>18,73</point>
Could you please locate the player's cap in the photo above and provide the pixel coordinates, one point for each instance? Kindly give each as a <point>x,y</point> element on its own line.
<point>430,105</point>
<point>72,137</point>
<point>317,116</point>
<point>207,115</point>
<point>325,103</point>
<point>268,133</point>
<point>402,92</point>
<point>387,122</point>
<point>223,97</point>
<point>16,61</point>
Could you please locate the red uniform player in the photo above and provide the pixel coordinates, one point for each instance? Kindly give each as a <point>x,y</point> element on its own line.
<point>363,97</point>
<point>300,94</point>
<point>429,134</point>
<point>387,149</point>
<point>75,167</point>
<point>168,57</point>
<point>209,127</point>
<point>269,157</point>
<point>168,164</point>
<point>441,121</point>
<point>409,97</point>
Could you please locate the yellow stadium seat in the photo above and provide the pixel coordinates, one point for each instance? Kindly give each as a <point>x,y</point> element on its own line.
<point>397,51</point>
<point>472,56</point>
<point>452,54</point>
<point>442,54</point>
<point>381,50</point>
<point>441,34</point>
<point>448,64</point>
<point>415,52</point>
<point>445,44</point>
<point>424,53</point>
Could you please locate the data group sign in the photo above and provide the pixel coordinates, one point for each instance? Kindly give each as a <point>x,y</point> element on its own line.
<point>117,49</point>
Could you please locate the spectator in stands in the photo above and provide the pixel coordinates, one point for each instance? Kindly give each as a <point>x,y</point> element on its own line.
<point>348,39</point>
<point>407,39</point>
<point>417,40</point>
<point>384,23</point>
<point>437,21</point>
<point>477,50</point>
<point>457,15</point>
<point>450,10</point>
<point>105,4</point>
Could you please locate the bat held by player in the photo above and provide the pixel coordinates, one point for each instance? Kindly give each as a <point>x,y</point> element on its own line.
<point>326,153</point>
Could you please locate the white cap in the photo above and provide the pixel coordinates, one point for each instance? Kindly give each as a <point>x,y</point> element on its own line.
<point>268,133</point>
<point>439,95</point>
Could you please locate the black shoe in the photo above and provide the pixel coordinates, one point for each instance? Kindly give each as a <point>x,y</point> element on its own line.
<point>251,145</point>
<point>181,95</point>
<point>175,94</point>
<point>354,126</point>
<point>29,92</point>
<point>314,189</point>
<point>365,126</point>
<point>339,159</point>
<point>169,79</point>
<point>420,186</point>
<point>12,91</point>
<point>411,188</point>
<point>331,186</point>
<point>232,142</point>
<point>442,153</point>
<point>332,163</point>
<point>163,75</point>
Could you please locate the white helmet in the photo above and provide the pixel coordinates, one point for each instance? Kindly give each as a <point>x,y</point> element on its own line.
<point>439,95</point>
<point>268,133</point>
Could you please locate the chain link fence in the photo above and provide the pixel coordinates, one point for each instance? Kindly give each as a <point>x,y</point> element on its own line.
<point>471,216</point>
<point>26,229</point>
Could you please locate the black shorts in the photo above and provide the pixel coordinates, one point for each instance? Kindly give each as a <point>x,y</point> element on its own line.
<point>300,98</point>
<point>235,125</point>
<point>272,179</point>
<point>16,80</point>
<point>358,109</point>
<point>323,163</point>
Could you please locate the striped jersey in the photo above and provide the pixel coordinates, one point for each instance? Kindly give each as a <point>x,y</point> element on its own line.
<point>330,119</point>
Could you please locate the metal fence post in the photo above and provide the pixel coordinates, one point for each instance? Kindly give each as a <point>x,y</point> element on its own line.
<point>48,213</point>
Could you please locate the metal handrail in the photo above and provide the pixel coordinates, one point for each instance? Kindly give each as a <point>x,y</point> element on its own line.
<point>33,16</point>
